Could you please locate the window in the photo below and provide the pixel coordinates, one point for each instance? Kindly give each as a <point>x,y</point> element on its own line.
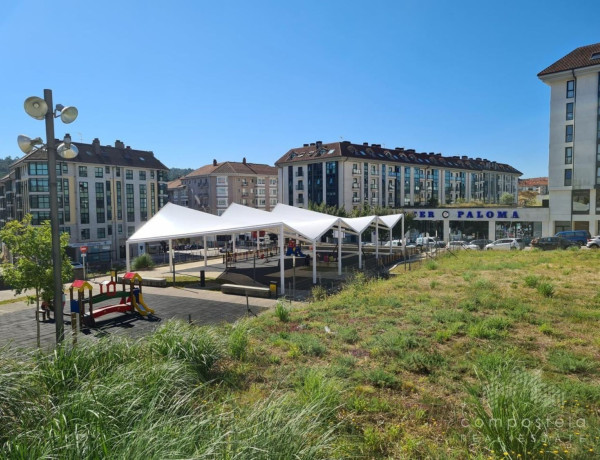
<point>222,180</point>
<point>118,171</point>
<point>569,133</point>
<point>581,201</point>
<point>85,233</point>
<point>107,169</point>
<point>120,228</point>
<point>38,169</point>
<point>152,174</point>
<point>568,177</point>
<point>119,201</point>
<point>273,181</point>
<point>273,191</point>
<point>84,203</point>
<point>222,202</point>
<point>143,202</point>
<point>109,230</point>
<point>98,172</point>
<point>570,89</point>
<point>101,232</point>
<point>83,171</point>
<point>260,181</point>
<point>142,175</point>
<point>38,217</point>
<point>130,203</point>
<point>39,201</point>
<point>221,191</point>
<point>129,174</point>
<point>273,201</point>
<point>568,155</point>
<point>38,185</point>
<point>100,214</point>
<point>130,230</point>
<point>569,110</point>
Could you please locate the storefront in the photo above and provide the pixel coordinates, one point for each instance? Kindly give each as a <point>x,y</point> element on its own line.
<point>490,223</point>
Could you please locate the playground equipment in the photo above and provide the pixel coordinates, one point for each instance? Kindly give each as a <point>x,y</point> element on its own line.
<point>292,249</point>
<point>130,299</point>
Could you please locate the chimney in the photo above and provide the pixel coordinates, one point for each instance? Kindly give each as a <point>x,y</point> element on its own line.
<point>319,143</point>
<point>119,144</point>
<point>244,160</point>
<point>464,157</point>
<point>214,162</point>
<point>305,145</point>
<point>366,144</point>
<point>96,145</point>
<point>400,148</point>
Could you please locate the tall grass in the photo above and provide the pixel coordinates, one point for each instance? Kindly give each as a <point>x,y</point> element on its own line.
<point>146,399</point>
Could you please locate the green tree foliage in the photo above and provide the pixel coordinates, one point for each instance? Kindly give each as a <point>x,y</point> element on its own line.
<point>31,247</point>
<point>176,173</point>
<point>5,165</point>
<point>507,199</point>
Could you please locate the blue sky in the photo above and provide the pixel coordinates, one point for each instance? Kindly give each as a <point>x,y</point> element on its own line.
<point>197,80</point>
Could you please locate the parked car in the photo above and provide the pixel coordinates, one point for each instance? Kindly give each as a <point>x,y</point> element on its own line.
<point>594,242</point>
<point>552,242</point>
<point>581,237</point>
<point>481,244</point>
<point>429,241</point>
<point>454,245</point>
<point>505,244</point>
<point>395,243</point>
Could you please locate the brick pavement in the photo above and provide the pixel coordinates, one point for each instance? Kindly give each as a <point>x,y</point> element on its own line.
<point>18,327</point>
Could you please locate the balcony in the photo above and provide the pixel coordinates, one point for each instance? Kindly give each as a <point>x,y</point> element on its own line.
<point>244,183</point>
<point>245,193</point>
<point>374,186</point>
<point>356,171</point>
<point>355,185</point>
<point>300,187</point>
<point>355,199</point>
<point>299,173</point>
<point>374,200</point>
<point>300,200</point>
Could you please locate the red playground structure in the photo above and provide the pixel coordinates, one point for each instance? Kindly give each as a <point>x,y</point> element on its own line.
<point>130,300</point>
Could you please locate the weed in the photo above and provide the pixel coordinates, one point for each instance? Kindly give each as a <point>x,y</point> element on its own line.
<point>380,378</point>
<point>308,344</point>
<point>318,293</point>
<point>238,341</point>
<point>546,289</point>
<point>431,265</point>
<point>282,312</point>
<point>421,362</point>
<point>568,362</point>
<point>349,335</point>
<point>532,281</point>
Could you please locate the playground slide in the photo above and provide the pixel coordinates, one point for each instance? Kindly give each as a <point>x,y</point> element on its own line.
<point>140,305</point>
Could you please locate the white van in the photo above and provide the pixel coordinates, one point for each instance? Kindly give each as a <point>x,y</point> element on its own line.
<point>428,241</point>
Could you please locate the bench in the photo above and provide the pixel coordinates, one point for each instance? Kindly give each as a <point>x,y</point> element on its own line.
<point>252,291</point>
<point>155,282</point>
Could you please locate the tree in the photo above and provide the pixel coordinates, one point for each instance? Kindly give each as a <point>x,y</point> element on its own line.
<point>176,173</point>
<point>507,199</point>
<point>33,267</point>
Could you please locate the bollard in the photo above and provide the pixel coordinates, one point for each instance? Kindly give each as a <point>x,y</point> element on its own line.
<point>202,279</point>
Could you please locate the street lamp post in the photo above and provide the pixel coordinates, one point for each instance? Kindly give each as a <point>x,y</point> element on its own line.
<point>43,109</point>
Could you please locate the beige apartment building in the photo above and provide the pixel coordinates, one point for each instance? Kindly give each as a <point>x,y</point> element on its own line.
<point>212,188</point>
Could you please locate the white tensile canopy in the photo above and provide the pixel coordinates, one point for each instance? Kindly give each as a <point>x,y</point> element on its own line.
<point>173,222</point>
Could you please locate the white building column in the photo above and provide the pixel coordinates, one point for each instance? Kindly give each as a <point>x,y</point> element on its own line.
<point>376,239</point>
<point>446,227</point>
<point>492,230</point>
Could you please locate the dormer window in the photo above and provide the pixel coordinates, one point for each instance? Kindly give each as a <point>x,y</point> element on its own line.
<point>595,56</point>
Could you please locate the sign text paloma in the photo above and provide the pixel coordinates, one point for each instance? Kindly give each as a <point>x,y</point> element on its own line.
<point>469,214</point>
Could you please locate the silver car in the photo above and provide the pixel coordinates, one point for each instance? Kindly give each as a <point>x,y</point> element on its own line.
<point>505,244</point>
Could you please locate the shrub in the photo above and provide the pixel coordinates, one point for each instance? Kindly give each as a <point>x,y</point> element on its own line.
<point>380,378</point>
<point>282,312</point>
<point>546,289</point>
<point>349,335</point>
<point>308,344</point>
<point>431,265</point>
<point>142,262</point>
<point>318,293</point>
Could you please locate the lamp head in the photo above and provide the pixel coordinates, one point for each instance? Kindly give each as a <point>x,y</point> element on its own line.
<point>36,107</point>
<point>26,144</point>
<point>67,114</point>
<point>67,150</point>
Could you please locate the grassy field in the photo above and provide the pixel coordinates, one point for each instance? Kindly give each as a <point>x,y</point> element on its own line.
<point>486,355</point>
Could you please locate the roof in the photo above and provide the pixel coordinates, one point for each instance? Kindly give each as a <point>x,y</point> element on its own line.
<point>345,149</point>
<point>533,182</point>
<point>576,59</point>
<point>95,153</point>
<point>234,167</point>
<point>173,221</point>
<point>175,184</point>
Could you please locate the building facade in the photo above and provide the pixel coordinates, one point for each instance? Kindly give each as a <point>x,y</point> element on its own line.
<point>177,193</point>
<point>350,175</point>
<point>105,194</point>
<point>574,145</point>
<point>212,188</point>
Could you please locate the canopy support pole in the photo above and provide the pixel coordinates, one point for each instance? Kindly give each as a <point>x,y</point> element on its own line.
<point>205,252</point>
<point>233,244</point>
<point>281,261</point>
<point>314,262</point>
<point>127,261</point>
<point>391,240</point>
<point>377,240</point>
<point>340,249</point>
<point>360,251</point>
<point>171,255</point>
<point>403,241</point>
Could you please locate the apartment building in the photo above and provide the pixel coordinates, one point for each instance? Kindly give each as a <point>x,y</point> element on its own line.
<point>177,193</point>
<point>350,175</point>
<point>212,188</point>
<point>105,194</point>
<point>574,145</point>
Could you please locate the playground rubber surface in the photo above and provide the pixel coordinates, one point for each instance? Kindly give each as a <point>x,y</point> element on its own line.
<point>18,327</point>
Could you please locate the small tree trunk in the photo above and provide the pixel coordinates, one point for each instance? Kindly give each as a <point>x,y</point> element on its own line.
<point>37,317</point>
